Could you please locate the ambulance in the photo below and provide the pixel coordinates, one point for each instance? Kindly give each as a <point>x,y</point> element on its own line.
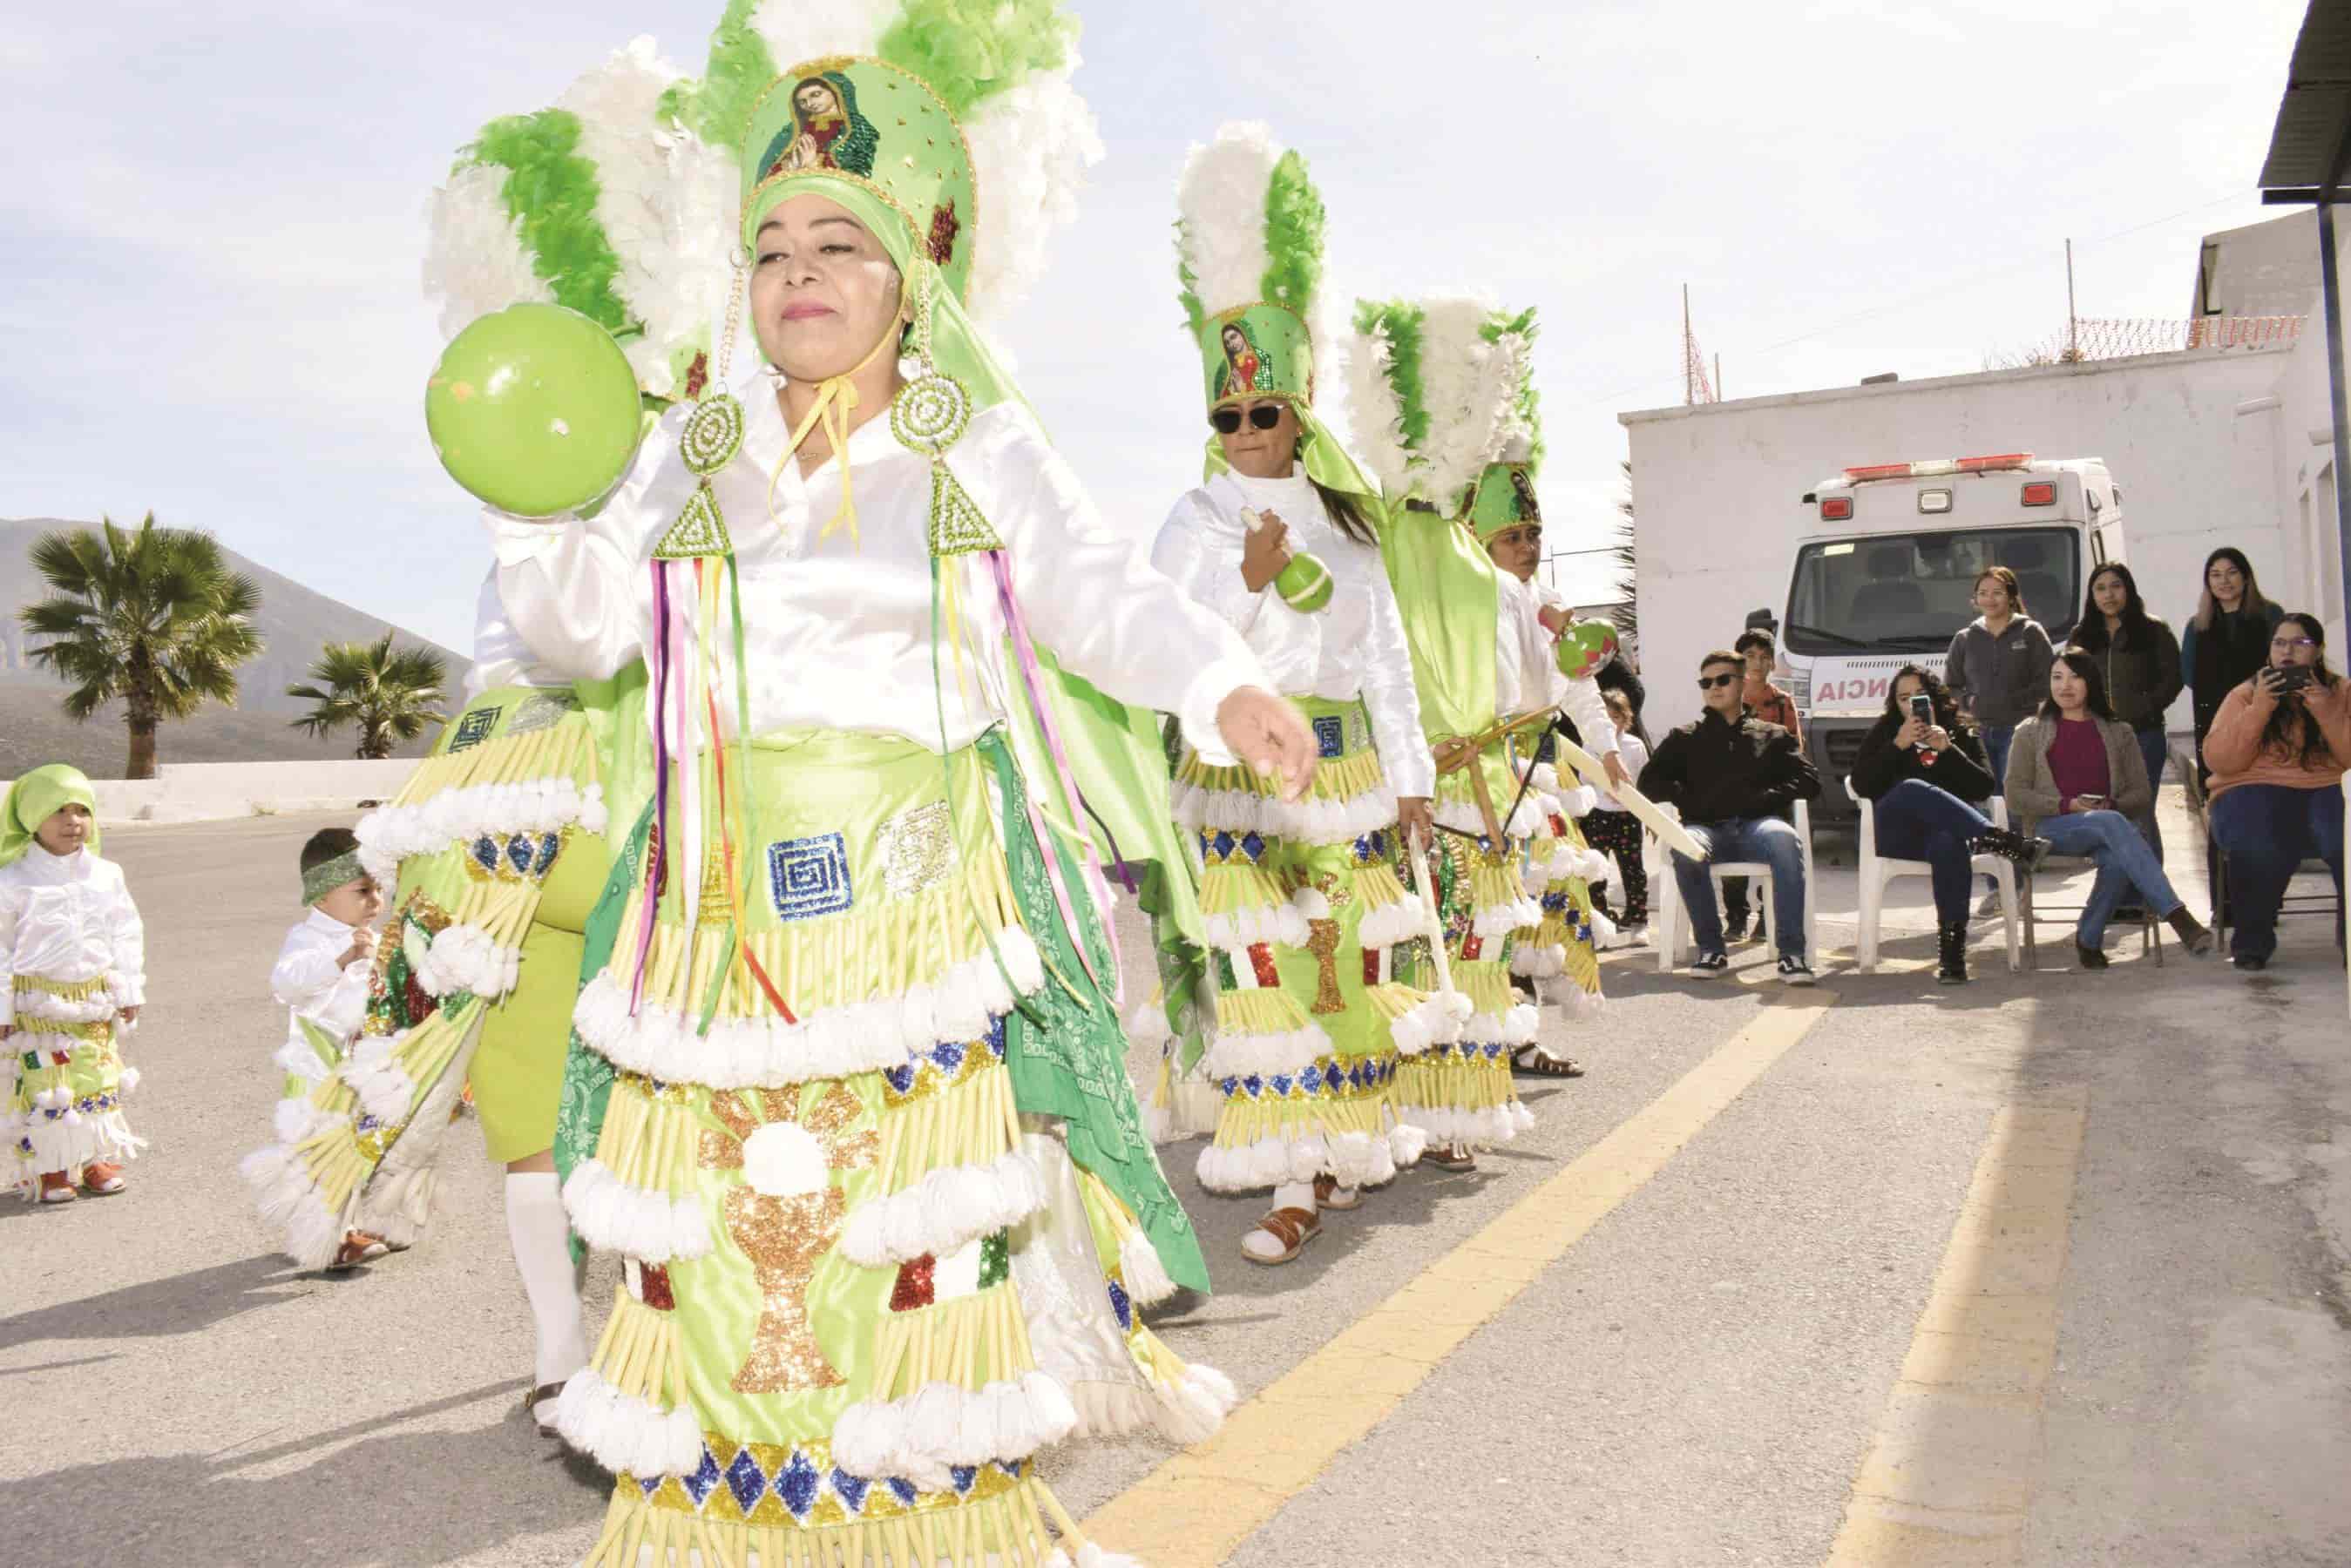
<point>1885,572</point>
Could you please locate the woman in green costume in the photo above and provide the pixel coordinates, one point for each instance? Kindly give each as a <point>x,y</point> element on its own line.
<point>1302,899</point>
<point>860,1008</point>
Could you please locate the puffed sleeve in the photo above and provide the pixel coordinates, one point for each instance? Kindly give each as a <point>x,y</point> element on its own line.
<point>126,940</point>
<point>346,1003</point>
<point>1287,644</point>
<point>1107,614</point>
<point>568,586</point>
<point>1390,696</point>
<point>306,968</point>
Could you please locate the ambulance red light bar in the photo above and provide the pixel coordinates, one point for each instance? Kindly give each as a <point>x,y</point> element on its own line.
<point>1836,508</point>
<point>1939,467</point>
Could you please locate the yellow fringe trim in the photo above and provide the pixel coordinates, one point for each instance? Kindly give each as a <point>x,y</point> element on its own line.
<point>1003,1524</point>
<point>1445,1082</point>
<point>1335,778</point>
<point>97,1032</point>
<point>970,1341</point>
<point>1245,1121</point>
<point>1266,1010</point>
<point>64,990</point>
<point>650,1141</point>
<point>425,1053</point>
<point>831,961</point>
<point>1378,887</point>
<point>1236,886</point>
<point>639,1353</point>
<point>972,1123</point>
<point>1493,882</point>
<point>1391,999</point>
<point>565,749</point>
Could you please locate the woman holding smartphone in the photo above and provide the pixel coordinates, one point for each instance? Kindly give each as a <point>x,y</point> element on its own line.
<point>1923,769</point>
<point>2076,778</point>
<point>2278,749</point>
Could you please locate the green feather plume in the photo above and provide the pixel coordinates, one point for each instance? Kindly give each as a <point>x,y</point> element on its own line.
<point>1399,321</point>
<point>718,106</point>
<point>1526,407</point>
<point>1293,235</point>
<point>970,50</point>
<point>553,191</point>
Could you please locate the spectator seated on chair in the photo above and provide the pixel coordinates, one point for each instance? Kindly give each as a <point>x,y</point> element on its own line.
<point>2278,751</point>
<point>1735,781</point>
<point>2075,778</point>
<point>1926,777</point>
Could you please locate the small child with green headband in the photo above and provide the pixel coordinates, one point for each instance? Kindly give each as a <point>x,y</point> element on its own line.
<point>73,975</point>
<point>321,976</point>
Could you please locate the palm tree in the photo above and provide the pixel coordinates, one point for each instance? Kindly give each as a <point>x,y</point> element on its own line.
<point>387,693</point>
<point>152,618</point>
<point>1627,614</point>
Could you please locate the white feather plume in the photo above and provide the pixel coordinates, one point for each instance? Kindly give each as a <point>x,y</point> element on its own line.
<point>1374,413</point>
<point>796,31</point>
<point>1220,210</point>
<point>1030,149</point>
<point>616,106</point>
<point>475,260</point>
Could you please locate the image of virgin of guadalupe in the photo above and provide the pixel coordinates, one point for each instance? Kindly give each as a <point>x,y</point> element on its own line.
<point>1246,369</point>
<point>826,132</point>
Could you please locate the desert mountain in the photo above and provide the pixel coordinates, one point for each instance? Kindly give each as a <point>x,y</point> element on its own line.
<point>295,622</point>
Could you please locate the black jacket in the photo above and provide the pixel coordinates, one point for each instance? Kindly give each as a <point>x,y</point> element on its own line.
<point>1716,769</point>
<point>1960,769</point>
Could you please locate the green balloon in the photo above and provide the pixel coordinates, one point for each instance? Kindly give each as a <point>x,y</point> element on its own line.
<point>534,409</point>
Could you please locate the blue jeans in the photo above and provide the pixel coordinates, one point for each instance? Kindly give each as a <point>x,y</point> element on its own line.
<point>1919,821</point>
<point>2267,830</point>
<point>2124,862</point>
<point>1764,839</point>
<point>2155,749</point>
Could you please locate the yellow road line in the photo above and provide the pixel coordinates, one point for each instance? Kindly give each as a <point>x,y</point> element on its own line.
<point>1949,1478</point>
<point>1194,1509</point>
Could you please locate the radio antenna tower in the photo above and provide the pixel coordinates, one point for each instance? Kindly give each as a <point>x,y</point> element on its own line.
<point>1695,387</point>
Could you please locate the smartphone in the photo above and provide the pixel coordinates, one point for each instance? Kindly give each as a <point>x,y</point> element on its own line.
<point>1922,708</point>
<point>2292,678</point>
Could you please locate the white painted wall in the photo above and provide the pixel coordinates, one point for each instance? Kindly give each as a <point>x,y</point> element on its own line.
<point>1716,488</point>
<point>208,792</point>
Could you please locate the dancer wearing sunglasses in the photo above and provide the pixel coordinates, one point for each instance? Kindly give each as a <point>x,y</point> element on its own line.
<point>1303,898</point>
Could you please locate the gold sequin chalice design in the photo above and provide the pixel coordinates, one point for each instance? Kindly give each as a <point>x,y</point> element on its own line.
<point>786,1215</point>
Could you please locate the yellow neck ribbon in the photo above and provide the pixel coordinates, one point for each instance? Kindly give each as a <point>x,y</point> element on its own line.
<point>836,400</point>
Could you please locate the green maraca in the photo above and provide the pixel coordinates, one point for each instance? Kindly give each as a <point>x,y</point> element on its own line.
<point>1305,583</point>
<point>534,409</point>
<point>1584,647</point>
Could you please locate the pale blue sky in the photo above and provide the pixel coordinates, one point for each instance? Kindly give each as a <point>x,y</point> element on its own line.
<point>213,217</point>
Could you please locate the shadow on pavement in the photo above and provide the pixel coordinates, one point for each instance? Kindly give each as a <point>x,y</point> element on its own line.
<point>183,1304</point>
<point>410,1498</point>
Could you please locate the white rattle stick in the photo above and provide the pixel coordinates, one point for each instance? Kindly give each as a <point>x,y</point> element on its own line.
<point>1645,811</point>
<point>1416,851</point>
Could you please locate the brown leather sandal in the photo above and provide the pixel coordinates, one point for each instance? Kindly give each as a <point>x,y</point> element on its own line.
<point>1450,1157</point>
<point>531,1401</point>
<point>1293,1227</point>
<point>102,1179</point>
<point>358,1247</point>
<point>1328,1194</point>
<point>1534,1061</point>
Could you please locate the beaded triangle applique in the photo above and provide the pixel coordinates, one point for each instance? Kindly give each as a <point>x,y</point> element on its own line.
<point>699,530</point>
<point>957,528</point>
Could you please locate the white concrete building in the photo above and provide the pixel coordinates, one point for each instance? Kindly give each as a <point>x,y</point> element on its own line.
<point>2207,446</point>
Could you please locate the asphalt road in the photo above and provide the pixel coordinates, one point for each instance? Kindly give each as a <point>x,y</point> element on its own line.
<point>1699,1378</point>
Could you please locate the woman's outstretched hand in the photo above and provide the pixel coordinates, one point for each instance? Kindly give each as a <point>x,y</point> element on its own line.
<point>1268,736</point>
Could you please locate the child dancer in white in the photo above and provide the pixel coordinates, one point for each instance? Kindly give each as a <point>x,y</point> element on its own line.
<point>73,975</point>
<point>321,976</point>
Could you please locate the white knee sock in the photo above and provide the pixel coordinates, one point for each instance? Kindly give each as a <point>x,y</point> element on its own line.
<point>1294,1194</point>
<point>541,1235</point>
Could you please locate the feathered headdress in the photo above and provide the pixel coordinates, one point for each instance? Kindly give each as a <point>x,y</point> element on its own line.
<point>1248,244</point>
<point>1441,391</point>
<point>624,199</point>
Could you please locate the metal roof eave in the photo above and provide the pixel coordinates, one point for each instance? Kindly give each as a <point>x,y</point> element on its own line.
<point>2313,136</point>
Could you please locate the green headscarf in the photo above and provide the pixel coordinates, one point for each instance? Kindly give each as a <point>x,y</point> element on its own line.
<point>38,796</point>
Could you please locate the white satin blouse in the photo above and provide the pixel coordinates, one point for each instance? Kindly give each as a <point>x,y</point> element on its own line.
<point>311,981</point>
<point>69,919</point>
<point>1353,647</point>
<point>1526,670</point>
<point>838,629</point>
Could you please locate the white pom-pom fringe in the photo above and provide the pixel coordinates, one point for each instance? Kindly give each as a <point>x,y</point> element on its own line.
<point>1146,1277</point>
<point>623,1432</point>
<point>943,1211</point>
<point>612,1216</point>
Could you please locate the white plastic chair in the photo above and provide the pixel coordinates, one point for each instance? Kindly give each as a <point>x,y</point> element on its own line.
<point>1676,941</point>
<point>1877,871</point>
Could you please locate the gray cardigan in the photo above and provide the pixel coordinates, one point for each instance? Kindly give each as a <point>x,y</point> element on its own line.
<point>2003,678</point>
<point>2031,789</point>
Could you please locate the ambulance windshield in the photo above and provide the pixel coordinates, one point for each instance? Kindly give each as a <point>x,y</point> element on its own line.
<point>1912,592</point>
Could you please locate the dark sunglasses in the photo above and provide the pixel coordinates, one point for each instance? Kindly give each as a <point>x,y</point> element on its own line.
<point>1710,682</point>
<point>1265,416</point>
